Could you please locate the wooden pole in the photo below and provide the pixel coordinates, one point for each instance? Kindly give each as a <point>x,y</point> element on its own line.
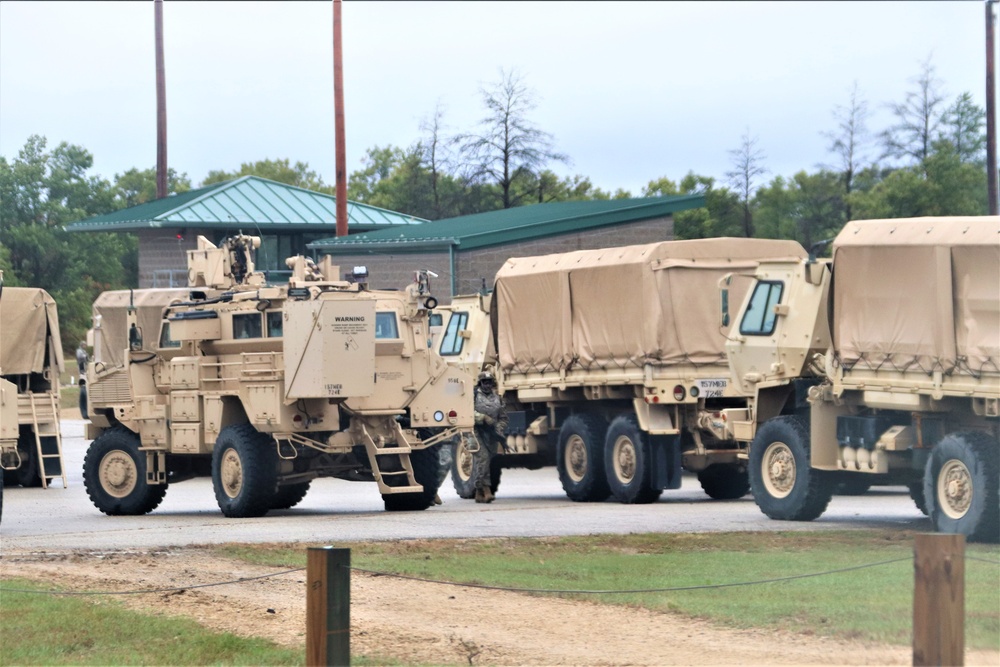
<point>991,114</point>
<point>338,112</point>
<point>328,606</point>
<point>161,105</point>
<point>939,600</point>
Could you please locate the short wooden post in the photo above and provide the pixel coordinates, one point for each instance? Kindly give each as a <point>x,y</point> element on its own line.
<point>939,600</point>
<point>328,607</point>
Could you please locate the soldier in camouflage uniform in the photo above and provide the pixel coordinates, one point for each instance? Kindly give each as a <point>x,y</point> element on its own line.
<point>491,428</point>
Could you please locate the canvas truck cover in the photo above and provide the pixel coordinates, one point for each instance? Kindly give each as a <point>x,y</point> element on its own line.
<point>29,329</point>
<point>918,294</point>
<point>112,307</point>
<point>624,307</point>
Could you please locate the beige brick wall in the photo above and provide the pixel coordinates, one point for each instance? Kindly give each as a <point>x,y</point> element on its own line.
<point>162,254</point>
<point>395,271</point>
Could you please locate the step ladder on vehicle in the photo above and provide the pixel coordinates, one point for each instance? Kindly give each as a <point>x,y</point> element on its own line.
<point>42,413</point>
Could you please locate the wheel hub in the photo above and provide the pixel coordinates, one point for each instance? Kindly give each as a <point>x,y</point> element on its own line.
<point>464,461</point>
<point>231,473</point>
<point>955,489</point>
<point>779,470</point>
<point>625,459</point>
<point>118,474</point>
<point>576,458</point>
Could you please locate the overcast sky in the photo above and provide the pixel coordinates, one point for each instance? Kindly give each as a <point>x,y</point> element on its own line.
<point>630,91</point>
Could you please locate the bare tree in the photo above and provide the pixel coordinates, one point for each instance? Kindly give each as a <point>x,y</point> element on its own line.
<point>850,140</point>
<point>435,152</point>
<point>748,166</point>
<point>508,146</point>
<point>917,118</point>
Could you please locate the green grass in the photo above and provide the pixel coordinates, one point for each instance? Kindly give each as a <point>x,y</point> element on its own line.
<point>66,630</point>
<point>873,604</point>
<point>69,397</point>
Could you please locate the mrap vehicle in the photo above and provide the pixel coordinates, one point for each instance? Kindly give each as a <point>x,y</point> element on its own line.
<point>266,387</point>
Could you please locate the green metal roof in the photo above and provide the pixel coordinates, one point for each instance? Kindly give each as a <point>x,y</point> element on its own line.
<point>508,225</point>
<point>250,201</point>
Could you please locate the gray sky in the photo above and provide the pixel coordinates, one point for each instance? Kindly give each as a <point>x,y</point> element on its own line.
<point>630,91</point>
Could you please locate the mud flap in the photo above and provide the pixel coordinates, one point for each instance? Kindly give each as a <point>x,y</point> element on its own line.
<point>666,453</point>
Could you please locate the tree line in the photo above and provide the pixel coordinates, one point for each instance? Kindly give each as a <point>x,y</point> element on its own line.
<point>929,161</point>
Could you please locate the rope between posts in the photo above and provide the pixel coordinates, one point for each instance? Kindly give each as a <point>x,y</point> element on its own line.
<point>510,589</point>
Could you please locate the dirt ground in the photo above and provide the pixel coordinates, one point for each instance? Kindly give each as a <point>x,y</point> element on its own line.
<point>425,623</point>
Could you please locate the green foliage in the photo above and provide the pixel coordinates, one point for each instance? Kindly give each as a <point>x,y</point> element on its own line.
<point>60,630</point>
<point>136,186</point>
<point>721,215</point>
<point>825,605</point>
<point>282,171</point>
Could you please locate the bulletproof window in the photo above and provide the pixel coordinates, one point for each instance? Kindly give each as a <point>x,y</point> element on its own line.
<point>435,319</point>
<point>452,342</point>
<point>385,325</point>
<point>760,316</point>
<point>247,325</point>
<point>274,324</point>
<point>165,340</point>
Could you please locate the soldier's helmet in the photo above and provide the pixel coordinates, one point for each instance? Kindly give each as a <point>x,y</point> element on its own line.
<point>487,378</point>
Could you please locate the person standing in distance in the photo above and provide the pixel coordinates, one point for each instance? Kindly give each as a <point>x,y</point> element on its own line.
<point>491,432</point>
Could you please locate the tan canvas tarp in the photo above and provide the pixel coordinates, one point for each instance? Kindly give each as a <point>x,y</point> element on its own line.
<point>918,294</point>
<point>656,303</point>
<point>111,307</point>
<point>28,321</point>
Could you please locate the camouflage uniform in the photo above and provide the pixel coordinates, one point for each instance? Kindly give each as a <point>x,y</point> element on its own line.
<point>491,426</point>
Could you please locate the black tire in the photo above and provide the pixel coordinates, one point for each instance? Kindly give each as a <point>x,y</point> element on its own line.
<point>580,458</point>
<point>10,478</point>
<point>961,483</point>
<point>27,472</point>
<point>916,490</point>
<point>289,496</point>
<point>1,497</point>
<point>725,481</point>
<point>83,402</point>
<point>425,464</point>
<point>461,472</point>
<point>114,474</point>
<point>628,462</point>
<point>852,484</point>
<point>244,471</point>
<point>784,485</point>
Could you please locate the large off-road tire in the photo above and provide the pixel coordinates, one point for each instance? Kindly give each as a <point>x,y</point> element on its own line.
<point>290,495</point>
<point>27,473</point>
<point>461,471</point>
<point>83,402</point>
<point>580,458</point>
<point>628,462</point>
<point>425,464</point>
<point>961,483</point>
<point>725,481</point>
<point>10,478</point>
<point>1,496</point>
<point>114,474</point>
<point>244,471</point>
<point>784,485</point>
<point>916,490</point>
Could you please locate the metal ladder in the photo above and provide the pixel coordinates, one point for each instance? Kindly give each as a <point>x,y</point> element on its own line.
<point>403,451</point>
<point>50,464</point>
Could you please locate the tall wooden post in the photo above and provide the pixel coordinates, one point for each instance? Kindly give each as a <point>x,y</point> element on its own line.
<point>161,106</point>
<point>991,113</point>
<point>939,600</point>
<point>338,110</point>
<point>328,606</point>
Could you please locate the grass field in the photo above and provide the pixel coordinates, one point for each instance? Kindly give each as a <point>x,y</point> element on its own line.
<point>873,603</point>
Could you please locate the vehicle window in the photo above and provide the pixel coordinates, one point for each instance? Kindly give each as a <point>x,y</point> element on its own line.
<point>247,325</point>
<point>274,324</point>
<point>435,320</point>
<point>451,342</point>
<point>759,318</point>
<point>165,340</point>
<point>385,325</point>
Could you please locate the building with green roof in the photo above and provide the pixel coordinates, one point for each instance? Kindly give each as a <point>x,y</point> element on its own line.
<point>467,251</point>
<point>286,217</point>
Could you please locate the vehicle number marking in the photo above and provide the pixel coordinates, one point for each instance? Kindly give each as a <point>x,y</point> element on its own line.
<point>712,388</point>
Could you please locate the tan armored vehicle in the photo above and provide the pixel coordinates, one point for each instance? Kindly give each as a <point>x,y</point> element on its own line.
<point>30,363</point>
<point>885,370</point>
<point>613,366</point>
<point>265,388</point>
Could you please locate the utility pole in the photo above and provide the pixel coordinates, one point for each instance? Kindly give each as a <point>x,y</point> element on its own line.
<point>338,108</point>
<point>161,107</point>
<point>991,112</point>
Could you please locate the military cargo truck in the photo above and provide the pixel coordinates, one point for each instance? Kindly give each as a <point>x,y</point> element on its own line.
<point>613,366</point>
<point>267,387</point>
<point>882,366</point>
<point>31,360</point>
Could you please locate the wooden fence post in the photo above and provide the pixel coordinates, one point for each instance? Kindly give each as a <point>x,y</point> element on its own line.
<point>939,600</point>
<point>328,607</point>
